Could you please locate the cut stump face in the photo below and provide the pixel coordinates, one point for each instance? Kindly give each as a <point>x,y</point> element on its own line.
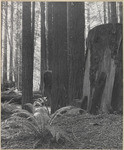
<point>103,69</point>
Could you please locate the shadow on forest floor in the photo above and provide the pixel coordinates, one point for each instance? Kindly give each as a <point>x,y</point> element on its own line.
<point>84,132</point>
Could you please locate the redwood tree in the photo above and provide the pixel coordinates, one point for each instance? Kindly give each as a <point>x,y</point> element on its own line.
<point>2,9</point>
<point>11,46</point>
<point>76,48</point>
<point>5,45</point>
<point>27,55</point>
<point>113,12</point>
<point>43,66</point>
<point>50,34</point>
<point>59,69</point>
<point>104,11</point>
<point>121,11</point>
<point>109,12</point>
<point>33,22</point>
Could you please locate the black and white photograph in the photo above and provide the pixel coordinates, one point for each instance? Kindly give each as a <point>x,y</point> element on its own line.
<point>61,74</point>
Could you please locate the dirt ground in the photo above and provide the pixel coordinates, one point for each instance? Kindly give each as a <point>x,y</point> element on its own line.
<point>82,131</point>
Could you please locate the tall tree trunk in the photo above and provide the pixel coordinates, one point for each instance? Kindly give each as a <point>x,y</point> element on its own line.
<point>20,47</point>
<point>104,11</point>
<point>18,52</point>
<point>60,71</point>
<point>88,16</point>
<point>43,66</point>
<point>11,46</point>
<point>2,9</point>
<point>27,56</point>
<point>20,64</point>
<point>121,11</point>
<point>49,49</point>
<point>76,26</point>
<point>109,12</point>
<point>5,45</point>
<point>33,29</point>
<point>113,12</point>
<point>33,23</point>
<point>103,69</point>
<point>50,34</point>
<point>16,71</point>
<point>46,33</point>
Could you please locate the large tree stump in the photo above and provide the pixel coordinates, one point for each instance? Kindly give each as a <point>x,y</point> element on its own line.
<point>102,86</point>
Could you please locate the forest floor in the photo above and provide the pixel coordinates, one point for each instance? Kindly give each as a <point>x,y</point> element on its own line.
<point>82,131</point>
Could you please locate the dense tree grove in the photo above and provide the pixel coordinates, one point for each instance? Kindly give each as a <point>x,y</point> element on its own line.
<point>61,75</point>
<point>59,38</point>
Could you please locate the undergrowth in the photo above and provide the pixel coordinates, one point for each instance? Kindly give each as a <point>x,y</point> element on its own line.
<point>7,110</point>
<point>37,125</point>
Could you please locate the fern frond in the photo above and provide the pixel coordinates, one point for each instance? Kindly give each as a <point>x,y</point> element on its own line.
<point>42,115</point>
<point>10,101</point>
<point>37,121</point>
<point>7,110</point>
<point>59,112</point>
<point>29,116</point>
<point>25,124</point>
<point>33,128</point>
<point>17,110</point>
<point>23,113</point>
<point>57,133</point>
<point>40,120</point>
<point>33,120</point>
<point>6,107</point>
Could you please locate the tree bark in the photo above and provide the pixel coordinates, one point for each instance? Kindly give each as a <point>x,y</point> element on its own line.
<point>104,11</point>
<point>113,12</point>
<point>43,66</point>
<point>109,12</point>
<point>50,34</point>
<point>88,16</point>
<point>16,71</point>
<point>5,45</point>
<point>33,26</point>
<point>27,56</point>
<point>76,26</point>
<point>20,48</point>
<point>49,49</point>
<point>2,9</point>
<point>103,69</point>
<point>121,11</point>
<point>11,46</point>
<point>59,70</point>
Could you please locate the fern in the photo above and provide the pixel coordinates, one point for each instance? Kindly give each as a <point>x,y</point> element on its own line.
<point>25,124</point>
<point>22,113</point>
<point>36,122</point>
<point>30,118</point>
<point>39,124</point>
<point>7,110</point>
<point>32,127</point>
<point>59,112</point>
<point>57,133</point>
<point>6,107</point>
